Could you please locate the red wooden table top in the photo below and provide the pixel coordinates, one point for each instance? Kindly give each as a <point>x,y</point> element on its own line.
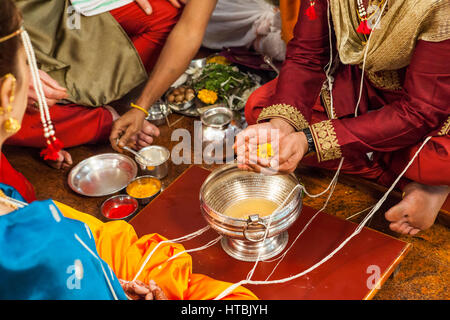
<point>350,274</point>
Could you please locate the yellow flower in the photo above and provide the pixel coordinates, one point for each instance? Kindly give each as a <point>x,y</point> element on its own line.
<point>218,60</point>
<point>207,96</point>
<point>265,151</point>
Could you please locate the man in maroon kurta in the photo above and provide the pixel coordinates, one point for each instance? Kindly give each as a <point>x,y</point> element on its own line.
<point>404,99</point>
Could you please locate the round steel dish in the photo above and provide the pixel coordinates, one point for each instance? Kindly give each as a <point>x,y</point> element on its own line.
<point>244,239</point>
<point>102,175</point>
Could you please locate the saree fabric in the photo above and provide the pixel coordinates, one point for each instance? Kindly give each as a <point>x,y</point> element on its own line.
<point>42,245</point>
<point>118,244</point>
<point>46,256</point>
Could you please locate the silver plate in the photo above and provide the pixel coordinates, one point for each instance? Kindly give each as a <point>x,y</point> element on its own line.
<point>102,175</point>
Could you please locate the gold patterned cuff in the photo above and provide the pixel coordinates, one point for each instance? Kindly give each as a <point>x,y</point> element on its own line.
<point>286,112</point>
<point>327,146</point>
<point>445,129</point>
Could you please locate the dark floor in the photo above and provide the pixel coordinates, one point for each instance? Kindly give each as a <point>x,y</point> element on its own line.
<point>423,274</point>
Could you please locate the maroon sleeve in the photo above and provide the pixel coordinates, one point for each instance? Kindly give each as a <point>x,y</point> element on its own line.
<point>403,123</point>
<point>302,75</point>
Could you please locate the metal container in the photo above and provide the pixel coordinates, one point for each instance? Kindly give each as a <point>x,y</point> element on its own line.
<point>244,239</point>
<point>158,164</point>
<point>141,180</point>
<point>115,202</point>
<point>102,175</point>
<point>158,113</point>
<point>220,125</point>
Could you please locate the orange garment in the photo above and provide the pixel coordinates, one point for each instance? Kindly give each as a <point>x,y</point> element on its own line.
<point>118,245</point>
<point>289,10</point>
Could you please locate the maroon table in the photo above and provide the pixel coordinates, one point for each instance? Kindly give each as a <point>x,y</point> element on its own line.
<point>369,258</point>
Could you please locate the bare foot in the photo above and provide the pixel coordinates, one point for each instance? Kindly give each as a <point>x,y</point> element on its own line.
<point>418,209</point>
<point>64,161</point>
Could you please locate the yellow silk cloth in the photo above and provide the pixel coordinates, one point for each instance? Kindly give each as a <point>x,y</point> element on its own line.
<point>289,10</point>
<point>118,245</point>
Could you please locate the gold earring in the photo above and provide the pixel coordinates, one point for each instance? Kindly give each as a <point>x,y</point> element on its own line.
<point>11,125</point>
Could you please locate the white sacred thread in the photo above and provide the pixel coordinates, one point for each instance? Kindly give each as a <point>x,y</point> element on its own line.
<point>101,265</point>
<point>329,256</point>
<point>365,57</point>
<point>206,246</point>
<point>333,186</point>
<point>181,239</point>
<point>330,63</point>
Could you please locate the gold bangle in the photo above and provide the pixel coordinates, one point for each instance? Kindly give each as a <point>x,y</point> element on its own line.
<point>140,108</point>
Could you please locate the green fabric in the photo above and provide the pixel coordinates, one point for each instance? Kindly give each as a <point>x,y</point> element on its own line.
<point>97,63</point>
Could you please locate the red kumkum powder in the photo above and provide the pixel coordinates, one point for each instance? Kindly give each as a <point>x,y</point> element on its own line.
<point>121,211</point>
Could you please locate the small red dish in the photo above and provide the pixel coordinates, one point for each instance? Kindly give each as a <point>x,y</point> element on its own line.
<point>119,207</point>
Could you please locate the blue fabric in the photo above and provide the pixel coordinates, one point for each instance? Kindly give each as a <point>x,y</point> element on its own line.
<point>44,255</point>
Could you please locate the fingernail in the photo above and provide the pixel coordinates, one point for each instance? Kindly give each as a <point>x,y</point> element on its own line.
<point>148,11</point>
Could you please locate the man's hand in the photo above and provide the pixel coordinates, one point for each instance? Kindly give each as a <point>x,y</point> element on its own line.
<point>178,3</point>
<point>52,90</point>
<point>145,5</point>
<point>132,129</point>
<point>287,147</point>
<point>137,290</point>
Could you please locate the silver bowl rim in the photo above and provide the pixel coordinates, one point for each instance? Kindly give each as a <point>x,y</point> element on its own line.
<point>217,110</point>
<point>155,164</point>
<point>231,219</point>
<point>119,196</point>
<point>82,163</point>
<point>140,177</point>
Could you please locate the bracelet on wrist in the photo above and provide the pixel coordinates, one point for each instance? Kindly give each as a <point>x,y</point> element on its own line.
<point>133,105</point>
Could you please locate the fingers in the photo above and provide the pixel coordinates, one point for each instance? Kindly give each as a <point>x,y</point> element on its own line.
<point>178,3</point>
<point>143,140</point>
<point>150,129</point>
<point>126,128</point>
<point>53,91</point>
<point>158,293</point>
<point>67,162</point>
<point>45,78</point>
<point>145,5</point>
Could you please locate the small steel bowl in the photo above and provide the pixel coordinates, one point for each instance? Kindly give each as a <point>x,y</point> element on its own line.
<point>158,113</point>
<point>115,202</point>
<point>102,175</point>
<point>140,180</point>
<point>159,161</point>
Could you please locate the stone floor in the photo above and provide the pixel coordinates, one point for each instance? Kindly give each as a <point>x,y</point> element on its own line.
<point>423,274</point>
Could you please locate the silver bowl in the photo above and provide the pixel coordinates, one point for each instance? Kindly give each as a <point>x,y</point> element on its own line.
<point>158,166</point>
<point>158,113</point>
<point>102,175</point>
<point>243,239</point>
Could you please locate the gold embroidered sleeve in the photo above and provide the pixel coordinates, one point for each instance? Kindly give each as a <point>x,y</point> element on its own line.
<point>286,112</point>
<point>445,129</point>
<point>327,145</point>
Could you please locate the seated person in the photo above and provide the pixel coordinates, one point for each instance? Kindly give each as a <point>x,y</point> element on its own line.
<point>50,251</point>
<point>378,127</point>
<point>253,24</point>
<point>101,59</point>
